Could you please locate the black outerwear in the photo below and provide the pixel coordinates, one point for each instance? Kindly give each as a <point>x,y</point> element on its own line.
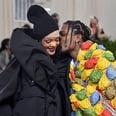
<point>43,90</point>
<point>62,61</point>
<point>9,80</point>
<point>9,86</point>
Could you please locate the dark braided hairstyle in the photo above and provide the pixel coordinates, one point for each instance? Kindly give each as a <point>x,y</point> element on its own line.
<point>81,28</point>
<point>70,27</point>
<point>77,27</point>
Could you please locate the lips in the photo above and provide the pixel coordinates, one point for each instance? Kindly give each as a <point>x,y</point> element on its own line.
<point>52,49</point>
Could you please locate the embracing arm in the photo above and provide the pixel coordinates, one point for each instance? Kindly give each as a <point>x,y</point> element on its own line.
<point>32,57</point>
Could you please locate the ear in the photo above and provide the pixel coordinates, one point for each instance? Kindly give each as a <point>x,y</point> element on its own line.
<point>79,38</point>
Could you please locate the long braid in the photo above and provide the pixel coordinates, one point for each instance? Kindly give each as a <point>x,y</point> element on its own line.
<point>70,27</point>
<point>77,27</point>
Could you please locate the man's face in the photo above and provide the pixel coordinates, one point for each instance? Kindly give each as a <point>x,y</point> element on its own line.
<point>68,38</point>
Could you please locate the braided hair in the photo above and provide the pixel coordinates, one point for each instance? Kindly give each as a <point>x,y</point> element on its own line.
<point>78,28</point>
<point>81,28</point>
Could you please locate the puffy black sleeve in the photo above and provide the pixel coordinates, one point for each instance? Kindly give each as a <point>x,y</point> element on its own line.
<point>33,59</point>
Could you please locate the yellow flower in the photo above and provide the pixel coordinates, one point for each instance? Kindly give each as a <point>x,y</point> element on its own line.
<point>102,64</point>
<point>98,108</point>
<point>86,74</point>
<point>104,82</point>
<point>73,98</point>
<point>93,46</point>
<point>97,53</point>
<point>81,65</point>
<point>77,87</point>
<point>91,88</point>
<point>71,67</point>
<point>84,104</point>
<point>114,103</point>
<point>81,55</point>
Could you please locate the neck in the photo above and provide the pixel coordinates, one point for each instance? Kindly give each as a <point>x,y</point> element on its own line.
<point>74,53</point>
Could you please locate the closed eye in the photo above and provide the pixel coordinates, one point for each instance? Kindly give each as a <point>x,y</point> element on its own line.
<point>62,33</point>
<point>57,39</point>
<point>47,41</point>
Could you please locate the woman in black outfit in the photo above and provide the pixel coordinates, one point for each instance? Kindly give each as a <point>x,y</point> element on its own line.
<point>42,90</point>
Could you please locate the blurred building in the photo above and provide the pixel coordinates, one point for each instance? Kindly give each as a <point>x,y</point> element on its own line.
<point>13,13</point>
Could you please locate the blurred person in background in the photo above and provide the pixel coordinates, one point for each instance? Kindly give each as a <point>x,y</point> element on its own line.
<point>56,17</point>
<point>5,54</point>
<point>26,26</point>
<point>97,33</point>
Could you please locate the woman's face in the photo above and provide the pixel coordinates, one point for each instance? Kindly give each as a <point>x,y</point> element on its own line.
<point>94,22</point>
<point>51,42</point>
<point>69,40</point>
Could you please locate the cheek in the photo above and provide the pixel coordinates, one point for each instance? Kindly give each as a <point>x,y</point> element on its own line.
<point>73,42</point>
<point>44,44</point>
<point>63,40</point>
<point>72,45</point>
<point>57,43</point>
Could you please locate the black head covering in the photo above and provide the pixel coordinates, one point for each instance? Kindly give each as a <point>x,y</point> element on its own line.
<point>42,21</point>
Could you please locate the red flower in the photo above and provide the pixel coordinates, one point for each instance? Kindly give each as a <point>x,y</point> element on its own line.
<point>86,45</point>
<point>106,113</point>
<point>76,104</point>
<point>91,63</point>
<point>73,76</point>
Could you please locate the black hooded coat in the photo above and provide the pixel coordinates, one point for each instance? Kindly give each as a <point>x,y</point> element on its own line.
<point>42,89</point>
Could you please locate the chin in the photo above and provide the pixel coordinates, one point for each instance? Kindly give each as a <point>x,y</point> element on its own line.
<point>50,54</point>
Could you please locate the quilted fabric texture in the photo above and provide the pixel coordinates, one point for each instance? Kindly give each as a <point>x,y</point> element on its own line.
<point>93,81</point>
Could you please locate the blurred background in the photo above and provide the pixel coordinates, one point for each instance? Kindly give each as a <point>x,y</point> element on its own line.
<point>13,13</point>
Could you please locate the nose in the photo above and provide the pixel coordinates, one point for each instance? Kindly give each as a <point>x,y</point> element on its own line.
<point>53,44</point>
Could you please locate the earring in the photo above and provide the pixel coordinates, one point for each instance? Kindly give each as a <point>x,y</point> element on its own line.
<point>78,43</point>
